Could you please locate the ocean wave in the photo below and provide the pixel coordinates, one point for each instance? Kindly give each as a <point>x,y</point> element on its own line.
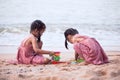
<point>105,34</point>
<point>13,29</point>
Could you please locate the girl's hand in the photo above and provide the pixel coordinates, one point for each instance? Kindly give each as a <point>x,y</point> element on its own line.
<point>76,56</point>
<point>51,53</point>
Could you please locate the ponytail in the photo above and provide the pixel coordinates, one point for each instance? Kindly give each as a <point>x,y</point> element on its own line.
<point>66,44</point>
<point>39,39</point>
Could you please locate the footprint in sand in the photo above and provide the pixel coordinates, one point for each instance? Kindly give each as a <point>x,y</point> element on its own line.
<point>24,76</point>
<point>100,73</point>
<point>115,73</point>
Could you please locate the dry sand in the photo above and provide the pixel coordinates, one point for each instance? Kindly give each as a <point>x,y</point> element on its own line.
<point>63,71</point>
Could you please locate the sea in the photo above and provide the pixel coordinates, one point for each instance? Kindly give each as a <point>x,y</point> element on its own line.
<point>95,18</point>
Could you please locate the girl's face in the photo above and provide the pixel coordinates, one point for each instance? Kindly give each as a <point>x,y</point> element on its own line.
<point>39,33</point>
<point>70,38</point>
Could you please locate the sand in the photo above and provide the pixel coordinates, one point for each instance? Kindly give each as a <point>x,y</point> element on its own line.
<point>63,71</point>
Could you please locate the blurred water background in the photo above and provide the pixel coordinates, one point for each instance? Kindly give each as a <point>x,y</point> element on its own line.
<point>96,18</point>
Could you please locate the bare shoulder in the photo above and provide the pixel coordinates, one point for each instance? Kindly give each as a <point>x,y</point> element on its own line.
<point>32,37</point>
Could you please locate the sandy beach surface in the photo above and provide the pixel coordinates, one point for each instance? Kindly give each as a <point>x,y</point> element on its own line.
<point>63,71</point>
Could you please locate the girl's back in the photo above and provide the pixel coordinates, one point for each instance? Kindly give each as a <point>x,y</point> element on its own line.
<point>25,51</point>
<point>91,50</point>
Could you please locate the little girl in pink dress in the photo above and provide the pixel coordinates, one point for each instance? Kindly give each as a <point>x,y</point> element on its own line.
<point>30,51</point>
<point>85,47</point>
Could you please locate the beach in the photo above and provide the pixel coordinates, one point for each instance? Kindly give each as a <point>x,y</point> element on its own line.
<point>62,71</point>
<point>99,19</point>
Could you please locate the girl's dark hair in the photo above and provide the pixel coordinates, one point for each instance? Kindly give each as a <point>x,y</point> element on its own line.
<point>39,25</point>
<point>69,31</point>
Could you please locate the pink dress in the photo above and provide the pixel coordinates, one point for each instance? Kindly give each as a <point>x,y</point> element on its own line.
<point>90,50</point>
<point>26,54</point>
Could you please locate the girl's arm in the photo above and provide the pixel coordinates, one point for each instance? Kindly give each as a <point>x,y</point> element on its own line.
<point>76,56</point>
<point>37,49</point>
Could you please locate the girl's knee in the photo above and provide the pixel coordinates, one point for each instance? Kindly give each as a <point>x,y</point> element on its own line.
<point>46,61</point>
